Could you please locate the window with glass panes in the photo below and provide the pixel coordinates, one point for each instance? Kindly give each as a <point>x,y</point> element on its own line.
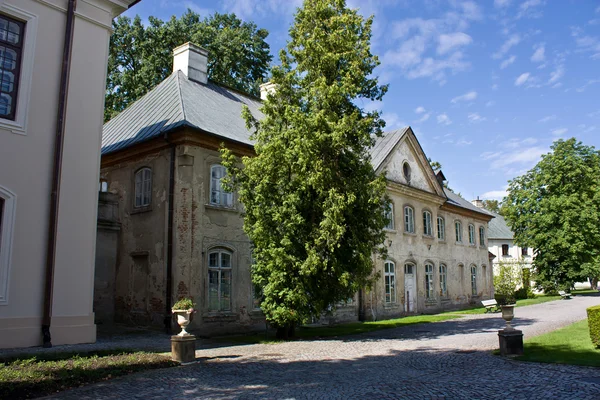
<point>409,219</point>
<point>481,236</point>
<point>11,47</point>
<point>218,196</point>
<point>429,280</point>
<point>474,280</point>
<point>471,234</point>
<point>143,187</point>
<point>219,280</point>
<point>441,228</point>
<point>389,275</point>
<point>458,231</point>
<point>427,229</point>
<point>389,215</point>
<point>443,278</point>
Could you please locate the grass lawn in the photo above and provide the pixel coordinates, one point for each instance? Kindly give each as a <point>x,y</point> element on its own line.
<point>340,330</point>
<point>29,376</point>
<point>540,298</point>
<point>569,345</point>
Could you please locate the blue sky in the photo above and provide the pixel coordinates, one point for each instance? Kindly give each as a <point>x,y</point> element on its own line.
<point>486,86</point>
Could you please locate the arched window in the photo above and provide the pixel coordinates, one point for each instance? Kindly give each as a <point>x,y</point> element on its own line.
<point>441,228</point>
<point>389,215</point>
<point>474,280</point>
<point>219,280</point>
<point>218,196</point>
<point>406,172</point>
<point>482,236</point>
<point>389,276</point>
<point>443,278</point>
<point>471,234</point>
<point>458,231</point>
<point>103,186</point>
<point>409,219</point>
<point>429,280</point>
<point>427,229</point>
<point>143,187</point>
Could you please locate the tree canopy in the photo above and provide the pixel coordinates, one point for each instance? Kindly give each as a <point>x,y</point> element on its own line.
<point>141,57</point>
<point>555,208</point>
<point>492,205</point>
<point>315,209</point>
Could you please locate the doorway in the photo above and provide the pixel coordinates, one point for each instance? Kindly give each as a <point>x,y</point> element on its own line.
<point>409,288</point>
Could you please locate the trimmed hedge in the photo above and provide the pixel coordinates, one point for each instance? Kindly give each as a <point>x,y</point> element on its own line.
<point>594,324</point>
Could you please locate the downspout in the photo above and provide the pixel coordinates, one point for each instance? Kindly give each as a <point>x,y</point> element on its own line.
<point>169,294</point>
<point>56,172</point>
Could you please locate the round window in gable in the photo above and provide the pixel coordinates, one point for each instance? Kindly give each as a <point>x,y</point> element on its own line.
<point>406,171</point>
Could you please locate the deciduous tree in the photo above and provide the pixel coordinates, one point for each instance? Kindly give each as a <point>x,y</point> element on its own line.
<point>555,208</point>
<point>314,205</point>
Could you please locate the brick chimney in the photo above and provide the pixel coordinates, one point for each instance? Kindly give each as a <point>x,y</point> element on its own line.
<point>192,60</point>
<point>477,202</point>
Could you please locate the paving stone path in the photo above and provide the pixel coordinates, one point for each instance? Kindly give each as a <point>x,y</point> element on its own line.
<point>445,360</point>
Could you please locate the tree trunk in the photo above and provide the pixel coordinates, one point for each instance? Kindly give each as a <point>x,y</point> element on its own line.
<point>286,332</point>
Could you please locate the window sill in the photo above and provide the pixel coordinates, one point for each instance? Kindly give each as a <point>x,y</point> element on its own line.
<point>140,210</point>
<point>443,241</point>
<point>459,243</point>
<point>220,208</point>
<point>390,230</point>
<point>428,237</point>
<point>409,233</point>
<point>14,127</point>
<point>391,306</point>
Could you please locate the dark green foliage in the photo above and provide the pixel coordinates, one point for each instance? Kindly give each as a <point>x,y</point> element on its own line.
<point>314,205</point>
<point>492,205</point>
<point>524,293</point>
<point>593,314</point>
<point>184,304</point>
<point>555,208</point>
<point>141,56</point>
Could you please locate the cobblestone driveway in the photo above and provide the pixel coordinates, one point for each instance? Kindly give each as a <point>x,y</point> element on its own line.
<point>446,360</point>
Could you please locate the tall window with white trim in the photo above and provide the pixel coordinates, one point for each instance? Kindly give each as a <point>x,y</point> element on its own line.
<point>143,187</point>
<point>482,236</point>
<point>389,275</point>
<point>458,231</point>
<point>219,280</point>
<point>389,215</point>
<point>471,234</point>
<point>409,219</point>
<point>443,278</point>
<point>473,280</point>
<point>441,228</point>
<point>218,196</point>
<point>11,48</point>
<point>429,280</point>
<point>427,229</point>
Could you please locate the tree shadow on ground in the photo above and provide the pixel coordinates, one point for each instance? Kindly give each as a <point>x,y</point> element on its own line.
<point>412,374</point>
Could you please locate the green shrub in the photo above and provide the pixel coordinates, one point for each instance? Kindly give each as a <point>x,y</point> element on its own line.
<point>524,293</point>
<point>184,304</point>
<point>594,324</point>
<point>506,282</point>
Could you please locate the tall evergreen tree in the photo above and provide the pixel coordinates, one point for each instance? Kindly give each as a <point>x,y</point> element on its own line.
<point>141,56</point>
<point>555,208</point>
<point>314,205</point>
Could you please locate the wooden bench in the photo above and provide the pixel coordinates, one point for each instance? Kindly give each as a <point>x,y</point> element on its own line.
<point>490,305</point>
<point>564,295</point>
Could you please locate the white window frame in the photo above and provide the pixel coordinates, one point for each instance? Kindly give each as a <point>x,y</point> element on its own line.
<point>441,228</point>
<point>220,269</point>
<point>472,234</point>
<point>443,280</point>
<point>427,228</point>
<point>19,124</point>
<point>145,189</point>
<point>409,219</point>
<point>225,199</point>
<point>474,280</point>
<point>429,284</point>
<point>482,236</point>
<point>7,224</point>
<point>389,214</point>
<point>458,231</point>
<point>389,282</point>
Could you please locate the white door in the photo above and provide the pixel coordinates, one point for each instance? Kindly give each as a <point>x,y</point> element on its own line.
<point>409,288</point>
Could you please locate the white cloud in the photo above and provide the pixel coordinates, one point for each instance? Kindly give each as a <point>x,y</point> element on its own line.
<point>494,195</point>
<point>490,103</point>
<point>250,9</point>
<point>559,131</point>
<point>420,110</point>
<point>489,155</point>
<point>529,9</point>
<point>588,83</point>
<point>522,79</point>
<point>392,121</point>
<point>443,119</point>
<point>451,41</point>
<point>495,86</point>
<point>506,46</point>
<point>548,118</point>
<point>522,156</point>
<point>464,142</point>
<point>556,74</point>
<point>539,54</point>
<point>586,43</point>
<point>472,95</point>
<point>586,129</point>
<point>424,118</point>
<point>508,61</point>
<point>475,118</point>
<point>501,3</point>
<point>594,114</point>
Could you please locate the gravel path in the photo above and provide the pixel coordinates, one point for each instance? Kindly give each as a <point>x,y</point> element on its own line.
<point>445,360</point>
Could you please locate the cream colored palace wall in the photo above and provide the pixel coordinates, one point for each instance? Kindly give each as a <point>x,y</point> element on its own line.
<point>26,167</point>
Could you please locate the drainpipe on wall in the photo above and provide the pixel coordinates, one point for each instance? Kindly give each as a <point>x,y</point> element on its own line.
<point>169,294</point>
<point>56,172</point>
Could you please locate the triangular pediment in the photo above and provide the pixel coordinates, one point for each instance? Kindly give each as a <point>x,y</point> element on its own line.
<point>407,150</point>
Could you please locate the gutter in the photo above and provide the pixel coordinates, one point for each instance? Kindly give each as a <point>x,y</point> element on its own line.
<point>56,173</point>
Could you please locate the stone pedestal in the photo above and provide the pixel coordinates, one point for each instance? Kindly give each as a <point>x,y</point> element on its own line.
<point>511,342</point>
<point>183,348</point>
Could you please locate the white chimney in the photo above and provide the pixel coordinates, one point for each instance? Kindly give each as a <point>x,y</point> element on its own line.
<point>265,89</point>
<point>477,202</point>
<point>192,60</point>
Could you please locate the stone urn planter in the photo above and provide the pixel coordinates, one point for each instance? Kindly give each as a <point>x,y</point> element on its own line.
<point>184,311</point>
<point>508,313</point>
